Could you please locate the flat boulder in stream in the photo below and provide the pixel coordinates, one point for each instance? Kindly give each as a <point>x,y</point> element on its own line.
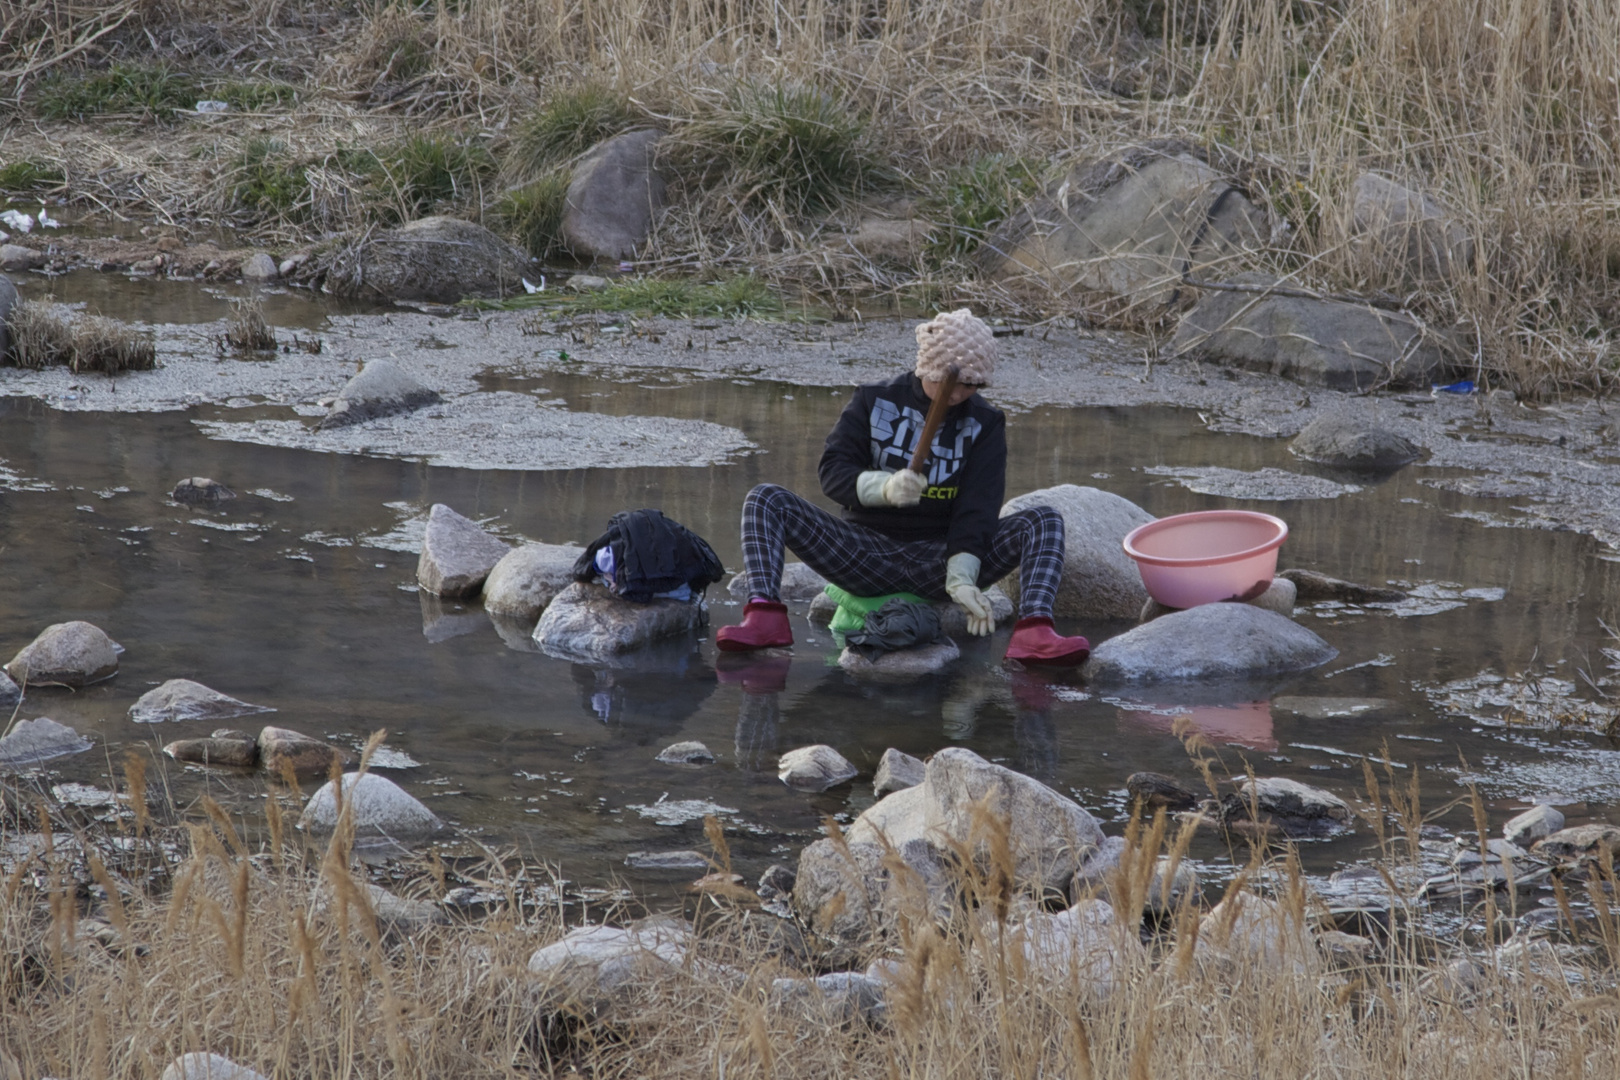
<point>457,555</point>
<point>588,623</point>
<point>1099,580</point>
<point>902,665</point>
<point>380,807</point>
<point>41,739</point>
<point>71,654</point>
<point>1293,808</point>
<point>1211,642</point>
<point>382,388</point>
<point>528,578</point>
<point>1348,443</point>
<point>182,699</point>
<point>1311,586</point>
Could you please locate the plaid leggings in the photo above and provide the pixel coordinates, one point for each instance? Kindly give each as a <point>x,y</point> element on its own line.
<point>867,563</point>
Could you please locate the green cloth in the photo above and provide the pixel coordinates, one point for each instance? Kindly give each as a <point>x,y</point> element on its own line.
<point>852,609</point>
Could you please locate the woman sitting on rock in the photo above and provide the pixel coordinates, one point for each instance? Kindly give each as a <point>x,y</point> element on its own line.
<point>938,536</point>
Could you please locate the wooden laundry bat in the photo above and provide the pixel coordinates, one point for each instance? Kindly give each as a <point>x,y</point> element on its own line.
<point>936,417</point>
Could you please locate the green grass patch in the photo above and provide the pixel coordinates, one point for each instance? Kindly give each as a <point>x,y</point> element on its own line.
<point>268,182</point>
<point>409,179</point>
<point>970,201</point>
<point>155,89</point>
<point>566,126</point>
<point>29,175</point>
<point>532,215</point>
<point>799,146</point>
<point>677,298</point>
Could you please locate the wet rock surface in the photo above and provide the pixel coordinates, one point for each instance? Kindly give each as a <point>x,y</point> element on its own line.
<point>667,860</point>
<point>232,748</point>
<point>1329,343</point>
<point>439,259</point>
<point>1099,580</point>
<point>201,489</point>
<point>896,771</point>
<point>1532,825</point>
<point>380,808</point>
<point>10,692</point>
<point>381,388</point>
<point>1348,443</point>
<point>30,742</point>
<point>1152,791</point>
<point>903,665</point>
<point>281,749</point>
<point>1279,597</point>
<point>529,577</point>
<point>686,753</point>
<point>1311,586</point>
<point>1268,484</point>
<point>457,555</point>
<point>70,654</point>
<point>183,699</point>
<point>1212,642</point>
<point>814,768</point>
<point>1294,808</point>
<point>615,192</point>
<point>587,622</point>
<point>1581,841</point>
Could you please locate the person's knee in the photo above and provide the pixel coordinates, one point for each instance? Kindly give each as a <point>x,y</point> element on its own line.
<point>765,493</point>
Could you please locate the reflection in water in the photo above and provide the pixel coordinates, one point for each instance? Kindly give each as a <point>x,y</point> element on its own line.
<point>758,717</point>
<point>1247,724</point>
<point>647,702</point>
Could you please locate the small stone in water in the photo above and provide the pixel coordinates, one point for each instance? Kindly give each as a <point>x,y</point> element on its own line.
<point>201,489</point>
<point>667,860</point>
<point>1535,823</point>
<point>686,753</point>
<point>814,768</point>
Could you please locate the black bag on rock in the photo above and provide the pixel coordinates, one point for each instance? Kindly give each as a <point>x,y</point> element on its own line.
<point>651,555</point>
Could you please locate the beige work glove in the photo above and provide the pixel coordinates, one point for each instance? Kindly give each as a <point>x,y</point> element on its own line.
<point>962,585</point>
<point>903,488</point>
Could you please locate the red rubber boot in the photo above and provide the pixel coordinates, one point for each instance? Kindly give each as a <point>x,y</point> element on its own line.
<point>1035,644</point>
<point>764,626</point>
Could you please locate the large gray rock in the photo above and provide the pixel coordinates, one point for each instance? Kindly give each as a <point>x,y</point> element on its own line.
<point>799,583</point>
<point>1331,343</point>
<point>438,259</point>
<point>457,555</point>
<point>529,577</point>
<point>1579,842</point>
<point>71,654</point>
<point>839,996</point>
<point>602,959</point>
<point>201,1066</point>
<point>260,267</point>
<point>1395,225</point>
<point>41,739</point>
<point>1131,227</point>
<point>1535,823</point>
<point>382,388</point>
<point>897,771</point>
<point>1334,439</point>
<point>903,665</point>
<point>852,895</point>
<point>1214,641</point>
<point>380,807</point>
<point>182,699</point>
<point>8,300</point>
<point>1099,580</point>
<point>1082,946</point>
<point>10,692</point>
<point>614,194</point>
<point>588,623</point>
<point>814,768</point>
<point>1252,930</point>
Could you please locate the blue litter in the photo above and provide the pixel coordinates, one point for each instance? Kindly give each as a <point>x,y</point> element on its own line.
<point>1464,387</point>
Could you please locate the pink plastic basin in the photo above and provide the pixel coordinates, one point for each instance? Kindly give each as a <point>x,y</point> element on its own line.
<point>1202,558</point>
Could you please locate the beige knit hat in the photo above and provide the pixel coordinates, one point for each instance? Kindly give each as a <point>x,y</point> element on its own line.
<point>960,339</point>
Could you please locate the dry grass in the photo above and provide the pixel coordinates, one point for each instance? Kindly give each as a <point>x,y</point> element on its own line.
<point>44,335</point>
<point>246,329</point>
<point>274,954</point>
<point>1507,110</point>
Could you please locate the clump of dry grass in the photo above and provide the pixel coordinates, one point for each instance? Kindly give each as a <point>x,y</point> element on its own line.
<point>44,335</point>
<point>246,329</point>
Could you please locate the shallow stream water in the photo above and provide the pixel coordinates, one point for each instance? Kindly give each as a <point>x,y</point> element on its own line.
<point>300,595</point>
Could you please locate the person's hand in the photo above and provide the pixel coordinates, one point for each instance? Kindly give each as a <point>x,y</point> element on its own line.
<point>904,488</point>
<point>979,619</point>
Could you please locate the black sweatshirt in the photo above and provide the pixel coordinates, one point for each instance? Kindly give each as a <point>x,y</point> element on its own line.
<point>967,469</point>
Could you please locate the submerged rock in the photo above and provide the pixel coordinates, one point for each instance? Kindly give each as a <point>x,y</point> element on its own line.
<point>686,753</point>
<point>1348,443</point>
<point>529,577</point>
<point>41,739</point>
<point>182,699</point>
<point>208,1067</point>
<point>1215,641</point>
<point>814,768</point>
<point>903,665</point>
<point>615,192</point>
<point>457,555</point>
<point>667,860</point>
<point>799,583</point>
<point>1330,343</point>
<point>439,259</point>
<point>71,654</point>
<point>1534,824</point>
<point>233,748</point>
<point>382,388</point>
<point>281,749</point>
<point>1099,581</point>
<point>380,808</point>
<point>1132,226</point>
<point>200,489</point>
<point>1313,587</point>
<point>896,771</point>
<point>588,623</point>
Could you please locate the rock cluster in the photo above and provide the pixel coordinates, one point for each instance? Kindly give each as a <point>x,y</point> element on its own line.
<point>277,750</point>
